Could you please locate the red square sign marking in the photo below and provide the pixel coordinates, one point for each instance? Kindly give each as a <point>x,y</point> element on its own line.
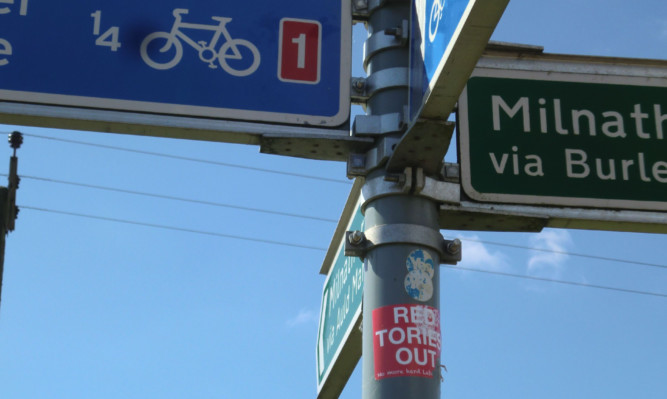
<point>300,51</point>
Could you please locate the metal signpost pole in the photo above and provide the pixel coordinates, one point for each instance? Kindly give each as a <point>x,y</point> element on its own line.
<point>401,243</point>
<point>4,193</point>
<point>8,209</point>
<point>401,323</point>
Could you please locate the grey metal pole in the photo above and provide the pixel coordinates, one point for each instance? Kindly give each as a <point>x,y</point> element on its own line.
<point>4,194</point>
<point>8,209</point>
<point>401,323</point>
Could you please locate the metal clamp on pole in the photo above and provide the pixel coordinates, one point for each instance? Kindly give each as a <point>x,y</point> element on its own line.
<point>411,180</point>
<point>359,243</point>
<point>362,9</point>
<point>386,40</point>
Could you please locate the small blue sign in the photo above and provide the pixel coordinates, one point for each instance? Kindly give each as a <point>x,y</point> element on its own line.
<point>434,26</point>
<point>272,61</point>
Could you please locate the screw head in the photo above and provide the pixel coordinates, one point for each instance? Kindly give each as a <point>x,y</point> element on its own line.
<point>356,237</point>
<point>454,246</point>
<point>361,4</point>
<point>359,85</point>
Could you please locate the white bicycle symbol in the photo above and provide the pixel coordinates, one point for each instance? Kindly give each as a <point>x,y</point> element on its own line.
<point>434,20</point>
<point>230,50</point>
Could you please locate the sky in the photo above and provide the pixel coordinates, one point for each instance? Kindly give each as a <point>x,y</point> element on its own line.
<point>156,297</point>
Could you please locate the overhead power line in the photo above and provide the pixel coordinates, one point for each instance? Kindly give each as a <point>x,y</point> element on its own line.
<point>329,220</point>
<point>174,198</point>
<point>183,158</point>
<point>550,280</point>
<point>553,251</point>
<point>294,245</point>
<point>283,213</point>
<point>165,227</point>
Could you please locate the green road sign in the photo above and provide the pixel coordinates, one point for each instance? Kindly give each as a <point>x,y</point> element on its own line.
<point>566,133</point>
<point>339,338</point>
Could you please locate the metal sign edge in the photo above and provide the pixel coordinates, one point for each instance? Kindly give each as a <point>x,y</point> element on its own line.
<point>353,201</point>
<point>345,219</point>
<point>355,323</point>
<point>474,7</point>
<point>184,127</point>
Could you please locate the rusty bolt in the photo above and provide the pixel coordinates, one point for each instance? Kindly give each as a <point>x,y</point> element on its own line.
<point>359,84</point>
<point>361,4</point>
<point>454,246</point>
<point>356,237</point>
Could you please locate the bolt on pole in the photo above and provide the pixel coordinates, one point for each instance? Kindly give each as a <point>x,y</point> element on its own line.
<point>402,245</point>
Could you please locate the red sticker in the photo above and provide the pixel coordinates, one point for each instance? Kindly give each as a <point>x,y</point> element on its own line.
<point>406,341</point>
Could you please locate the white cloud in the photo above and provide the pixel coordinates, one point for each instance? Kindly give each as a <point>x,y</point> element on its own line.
<point>304,317</point>
<point>476,255</point>
<point>551,261</point>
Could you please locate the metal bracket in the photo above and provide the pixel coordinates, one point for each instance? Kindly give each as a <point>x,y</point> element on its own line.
<point>378,125</point>
<point>362,9</point>
<point>360,164</point>
<point>330,148</point>
<point>441,191</point>
<point>403,182</point>
<point>358,93</point>
<point>356,165</point>
<point>364,88</point>
<point>402,33</point>
<point>424,145</point>
<point>387,79</point>
<point>386,40</point>
<point>359,243</point>
<point>451,172</point>
<point>411,180</point>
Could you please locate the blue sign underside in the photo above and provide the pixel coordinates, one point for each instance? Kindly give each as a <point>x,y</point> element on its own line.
<point>93,48</point>
<point>434,23</point>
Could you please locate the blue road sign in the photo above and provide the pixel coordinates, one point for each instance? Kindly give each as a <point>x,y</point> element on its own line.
<point>447,38</point>
<point>434,24</point>
<point>265,60</point>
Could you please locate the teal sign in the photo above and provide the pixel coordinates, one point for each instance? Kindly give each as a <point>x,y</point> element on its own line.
<point>563,139</point>
<point>340,316</point>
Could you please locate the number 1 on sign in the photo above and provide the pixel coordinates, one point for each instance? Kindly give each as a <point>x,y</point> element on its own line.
<point>300,48</point>
<point>301,43</point>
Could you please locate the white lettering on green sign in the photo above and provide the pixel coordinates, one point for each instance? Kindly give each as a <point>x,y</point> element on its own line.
<point>595,140</point>
<point>610,123</point>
